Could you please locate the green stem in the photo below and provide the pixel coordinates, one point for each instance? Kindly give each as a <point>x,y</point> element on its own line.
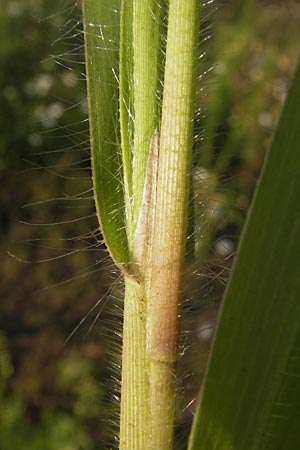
<point>134,408</point>
<point>139,81</point>
<point>146,69</point>
<point>143,208</point>
<point>167,246</point>
<point>161,167</point>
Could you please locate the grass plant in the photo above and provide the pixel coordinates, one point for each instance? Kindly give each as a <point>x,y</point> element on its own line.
<point>141,58</point>
<point>145,225</point>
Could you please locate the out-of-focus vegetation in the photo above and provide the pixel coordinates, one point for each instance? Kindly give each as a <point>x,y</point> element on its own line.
<point>53,395</point>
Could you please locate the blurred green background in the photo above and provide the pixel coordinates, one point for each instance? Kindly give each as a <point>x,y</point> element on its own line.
<point>54,395</point>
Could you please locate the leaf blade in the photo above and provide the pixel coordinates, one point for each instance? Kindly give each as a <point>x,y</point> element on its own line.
<point>102,27</point>
<point>252,390</point>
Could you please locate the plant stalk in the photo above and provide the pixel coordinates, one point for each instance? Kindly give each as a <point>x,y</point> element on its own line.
<point>134,407</point>
<point>139,83</point>
<point>167,247</point>
<point>161,168</point>
<point>142,206</point>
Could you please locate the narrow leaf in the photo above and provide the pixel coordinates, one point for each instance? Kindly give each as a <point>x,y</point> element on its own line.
<point>251,395</point>
<point>102,27</point>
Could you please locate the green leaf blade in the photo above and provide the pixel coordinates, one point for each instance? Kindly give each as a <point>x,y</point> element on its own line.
<point>127,105</point>
<point>102,28</point>
<point>251,395</point>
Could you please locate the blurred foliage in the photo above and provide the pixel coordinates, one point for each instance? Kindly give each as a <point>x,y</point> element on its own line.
<point>53,394</point>
<point>55,430</point>
<point>252,64</point>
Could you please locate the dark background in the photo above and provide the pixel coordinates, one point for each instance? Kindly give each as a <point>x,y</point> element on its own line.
<point>54,268</point>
